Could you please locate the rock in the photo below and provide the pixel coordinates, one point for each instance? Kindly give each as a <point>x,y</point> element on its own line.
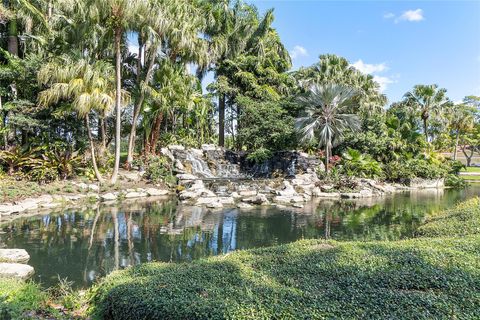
<point>207,193</point>
<point>287,190</point>
<point>209,147</point>
<point>27,204</point>
<point>50,205</point>
<point>186,176</point>
<point>226,200</point>
<point>326,188</point>
<point>214,205</point>
<point>132,175</point>
<point>235,195</point>
<point>197,185</point>
<point>179,165</point>
<point>6,209</point>
<point>327,194</point>
<point>184,195</point>
<point>152,192</point>
<point>243,205</point>
<point>366,193</point>
<point>258,199</point>
<point>282,199</point>
<point>297,205</point>
<point>93,187</point>
<point>166,152</point>
<point>297,199</point>
<point>16,270</point>
<point>135,194</point>
<point>108,196</point>
<point>205,201</point>
<point>247,193</point>
<point>14,255</point>
<point>46,198</point>
<point>176,147</point>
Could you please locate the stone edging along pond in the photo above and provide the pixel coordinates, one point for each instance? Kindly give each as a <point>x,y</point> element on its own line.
<point>193,191</point>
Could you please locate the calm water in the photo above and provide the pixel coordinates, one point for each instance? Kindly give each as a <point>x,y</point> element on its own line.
<point>85,245</point>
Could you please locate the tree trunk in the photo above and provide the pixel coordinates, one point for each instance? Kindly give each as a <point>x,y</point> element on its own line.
<point>13,37</point>
<point>155,134</point>
<point>327,156</point>
<point>118,107</point>
<point>103,132</point>
<point>136,111</point>
<point>92,150</point>
<point>425,129</point>
<point>221,120</point>
<point>468,157</point>
<point>456,145</point>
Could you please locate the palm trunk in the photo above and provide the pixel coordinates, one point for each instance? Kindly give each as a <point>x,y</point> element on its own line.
<point>456,145</point>
<point>155,134</point>
<point>13,37</point>
<point>221,120</point>
<point>425,129</point>
<point>326,158</point>
<point>118,107</point>
<point>92,150</point>
<point>136,112</point>
<point>103,132</point>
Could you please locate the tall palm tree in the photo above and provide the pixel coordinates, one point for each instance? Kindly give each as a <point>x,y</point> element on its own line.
<point>88,87</point>
<point>119,15</point>
<point>427,101</point>
<point>324,115</point>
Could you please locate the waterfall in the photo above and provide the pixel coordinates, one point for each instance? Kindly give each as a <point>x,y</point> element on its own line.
<point>199,166</point>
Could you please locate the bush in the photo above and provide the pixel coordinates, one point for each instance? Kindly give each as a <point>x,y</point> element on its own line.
<point>313,279</point>
<point>414,168</point>
<point>17,297</point>
<point>462,220</point>
<point>159,169</point>
<point>355,164</point>
<point>260,155</point>
<point>455,181</point>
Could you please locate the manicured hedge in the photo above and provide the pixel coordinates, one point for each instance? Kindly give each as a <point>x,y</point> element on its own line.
<point>17,297</point>
<point>464,219</point>
<point>310,279</point>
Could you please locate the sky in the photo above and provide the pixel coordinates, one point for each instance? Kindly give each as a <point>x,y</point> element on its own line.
<point>401,43</point>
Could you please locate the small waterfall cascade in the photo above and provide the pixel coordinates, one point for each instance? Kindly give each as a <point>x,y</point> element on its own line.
<point>199,166</point>
<point>228,170</point>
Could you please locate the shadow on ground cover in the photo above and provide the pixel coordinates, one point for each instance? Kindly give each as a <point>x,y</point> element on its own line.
<point>419,279</point>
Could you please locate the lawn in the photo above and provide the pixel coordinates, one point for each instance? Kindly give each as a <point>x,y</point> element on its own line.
<point>472,169</point>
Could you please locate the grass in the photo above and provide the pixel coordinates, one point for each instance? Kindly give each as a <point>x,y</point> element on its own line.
<point>472,169</point>
<point>18,297</point>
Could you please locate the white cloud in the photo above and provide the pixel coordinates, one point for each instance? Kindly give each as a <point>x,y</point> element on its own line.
<point>298,51</point>
<point>388,15</point>
<point>369,68</point>
<point>374,69</point>
<point>383,82</point>
<point>411,15</point>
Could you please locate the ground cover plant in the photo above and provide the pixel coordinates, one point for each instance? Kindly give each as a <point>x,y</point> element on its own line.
<point>422,278</point>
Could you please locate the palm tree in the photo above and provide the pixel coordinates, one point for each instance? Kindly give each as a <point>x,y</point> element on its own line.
<point>427,101</point>
<point>461,120</point>
<point>325,117</point>
<point>337,70</point>
<point>89,87</point>
<point>119,15</point>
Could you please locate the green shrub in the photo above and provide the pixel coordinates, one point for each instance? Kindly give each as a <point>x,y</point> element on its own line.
<point>313,279</point>
<point>260,155</point>
<point>414,168</point>
<point>455,181</point>
<point>17,297</point>
<point>355,164</point>
<point>159,169</point>
<point>462,220</point>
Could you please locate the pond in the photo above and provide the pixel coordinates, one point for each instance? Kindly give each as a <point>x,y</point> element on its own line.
<point>85,245</point>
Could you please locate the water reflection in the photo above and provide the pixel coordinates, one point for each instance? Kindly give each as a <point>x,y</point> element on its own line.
<point>86,245</point>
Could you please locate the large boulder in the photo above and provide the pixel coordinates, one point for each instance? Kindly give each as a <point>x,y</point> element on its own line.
<point>16,270</point>
<point>14,255</point>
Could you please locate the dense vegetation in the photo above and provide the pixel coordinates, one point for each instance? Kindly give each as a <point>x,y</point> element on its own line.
<point>82,82</point>
<point>421,278</point>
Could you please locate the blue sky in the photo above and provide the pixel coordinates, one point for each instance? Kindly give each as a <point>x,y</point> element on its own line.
<point>402,43</point>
